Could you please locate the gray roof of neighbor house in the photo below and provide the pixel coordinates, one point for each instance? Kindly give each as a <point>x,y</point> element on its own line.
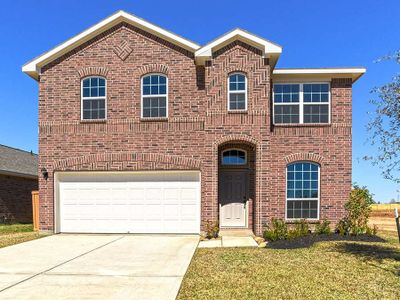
<point>18,162</point>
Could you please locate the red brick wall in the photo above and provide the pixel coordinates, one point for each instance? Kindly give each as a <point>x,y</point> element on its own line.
<point>198,122</point>
<point>16,199</point>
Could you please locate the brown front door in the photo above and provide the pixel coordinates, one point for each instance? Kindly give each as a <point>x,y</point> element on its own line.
<point>232,198</point>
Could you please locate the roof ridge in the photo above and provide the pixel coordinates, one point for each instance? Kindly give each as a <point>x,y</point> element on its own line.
<point>18,149</point>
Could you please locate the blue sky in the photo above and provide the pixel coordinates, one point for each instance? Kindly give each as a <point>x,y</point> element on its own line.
<point>313,34</point>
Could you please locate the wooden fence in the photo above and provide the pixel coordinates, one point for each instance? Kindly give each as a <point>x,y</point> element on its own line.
<point>35,210</point>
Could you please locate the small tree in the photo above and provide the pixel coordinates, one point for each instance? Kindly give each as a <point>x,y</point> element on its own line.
<point>358,210</point>
<point>363,192</point>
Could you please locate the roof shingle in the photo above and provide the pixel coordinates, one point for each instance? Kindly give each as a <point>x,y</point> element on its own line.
<point>18,161</point>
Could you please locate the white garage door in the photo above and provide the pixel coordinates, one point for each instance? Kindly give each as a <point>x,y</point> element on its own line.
<point>130,202</point>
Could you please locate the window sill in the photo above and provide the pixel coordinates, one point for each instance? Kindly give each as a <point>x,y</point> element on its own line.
<point>309,221</point>
<point>90,121</point>
<point>150,119</point>
<point>237,111</point>
<point>303,125</point>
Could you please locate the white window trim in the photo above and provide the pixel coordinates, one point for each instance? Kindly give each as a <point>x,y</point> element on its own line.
<point>238,92</point>
<point>152,96</point>
<point>303,199</point>
<point>238,149</point>
<point>94,98</point>
<point>301,102</point>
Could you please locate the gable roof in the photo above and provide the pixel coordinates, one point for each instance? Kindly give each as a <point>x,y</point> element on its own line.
<point>268,48</point>
<point>202,53</point>
<point>32,68</point>
<point>18,162</point>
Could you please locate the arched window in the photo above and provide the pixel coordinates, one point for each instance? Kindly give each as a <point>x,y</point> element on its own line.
<point>237,92</point>
<point>302,191</point>
<point>154,96</point>
<point>234,157</point>
<point>93,106</point>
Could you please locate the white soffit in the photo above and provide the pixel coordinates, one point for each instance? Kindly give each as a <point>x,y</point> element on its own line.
<point>269,49</point>
<point>298,73</point>
<point>32,68</point>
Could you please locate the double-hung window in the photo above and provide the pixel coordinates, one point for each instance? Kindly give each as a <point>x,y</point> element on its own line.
<point>316,103</point>
<point>302,190</point>
<point>237,92</point>
<point>286,103</point>
<point>93,98</point>
<point>301,103</point>
<point>154,96</point>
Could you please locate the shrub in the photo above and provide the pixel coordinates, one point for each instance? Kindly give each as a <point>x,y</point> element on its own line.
<point>372,230</point>
<point>323,228</point>
<point>277,230</point>
<point>343,226</point>
<point>301,228</point>
<point>358,210</point>
<point>212,229</point>
<point>364,192</point>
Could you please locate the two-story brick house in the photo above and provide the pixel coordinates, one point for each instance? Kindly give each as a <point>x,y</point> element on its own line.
<point>143,131</point>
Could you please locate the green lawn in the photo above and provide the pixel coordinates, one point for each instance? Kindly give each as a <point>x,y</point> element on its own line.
<point>17,233</point>
<point>345,269</point>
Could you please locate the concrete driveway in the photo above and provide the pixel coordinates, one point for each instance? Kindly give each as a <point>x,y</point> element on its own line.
<point>68,266</point>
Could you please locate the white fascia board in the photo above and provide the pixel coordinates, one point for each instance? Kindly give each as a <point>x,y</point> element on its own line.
<point>320,71</point>
<point>352,72</point>
<point>32,68</point>
<point>238,34</point>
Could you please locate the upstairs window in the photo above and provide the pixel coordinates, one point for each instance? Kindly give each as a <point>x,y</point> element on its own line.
<point>93,98</point>
<point>302,191</point>
<point>237,92</point>
<point>154,96</point>
<point>301,103</point>
<point>286,103</point>
<point>234,157</point>
<point>316,103</point>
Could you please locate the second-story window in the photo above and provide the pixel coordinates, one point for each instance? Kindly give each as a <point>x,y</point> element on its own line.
<point>237,92</point>
<point>93,98</point>
<point>316,103</point>
<point>301,103</point>
<point>286,103</point>
<point>154,96</point>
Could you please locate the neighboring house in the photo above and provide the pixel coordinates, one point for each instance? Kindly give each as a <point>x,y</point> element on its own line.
<point>18,178</point>
<point>141,130</point>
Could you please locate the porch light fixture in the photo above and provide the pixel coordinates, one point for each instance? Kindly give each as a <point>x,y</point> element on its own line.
<point>45,173</point>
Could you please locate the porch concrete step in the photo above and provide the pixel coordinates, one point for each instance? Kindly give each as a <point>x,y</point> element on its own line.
<point>238,232</point>
<point>229,241</point>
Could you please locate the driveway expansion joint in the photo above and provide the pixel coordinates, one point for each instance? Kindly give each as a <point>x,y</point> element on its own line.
<point>60,264</point>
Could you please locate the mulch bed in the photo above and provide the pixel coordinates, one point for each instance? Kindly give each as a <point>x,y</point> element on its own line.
<point>309,240</point>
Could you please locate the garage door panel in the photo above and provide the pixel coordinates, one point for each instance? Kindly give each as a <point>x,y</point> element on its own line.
<point>129,202</point>
<point>133,193</point>
<point>171,212</point>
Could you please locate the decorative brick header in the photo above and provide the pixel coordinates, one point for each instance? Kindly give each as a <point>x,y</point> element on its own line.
<point>90,71</point>
<point>153,68</point>
<point>238,69</point>
<point>303,157</point>
<point>174,160</point>
<point>236,138</point>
